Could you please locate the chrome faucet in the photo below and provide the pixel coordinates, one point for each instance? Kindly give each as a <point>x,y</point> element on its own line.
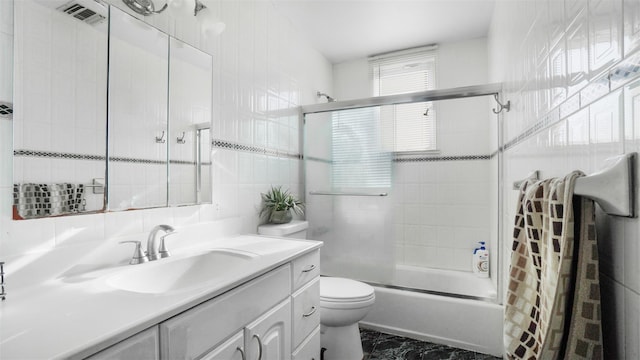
<point>154,251</point>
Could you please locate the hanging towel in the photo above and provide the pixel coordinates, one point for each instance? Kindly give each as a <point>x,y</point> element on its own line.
<point>552,307</point>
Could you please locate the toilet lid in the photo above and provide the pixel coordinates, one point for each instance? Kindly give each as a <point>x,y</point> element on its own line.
<point>336,289</point>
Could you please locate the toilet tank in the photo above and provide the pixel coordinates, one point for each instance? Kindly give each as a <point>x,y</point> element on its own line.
<point>295,229</point>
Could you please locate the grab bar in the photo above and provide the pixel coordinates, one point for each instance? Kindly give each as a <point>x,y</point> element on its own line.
<point>612,188</point>
<point>338,193</point>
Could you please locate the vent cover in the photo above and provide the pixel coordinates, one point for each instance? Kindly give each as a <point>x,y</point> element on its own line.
<point>6,110</point>
<point>87,11</point>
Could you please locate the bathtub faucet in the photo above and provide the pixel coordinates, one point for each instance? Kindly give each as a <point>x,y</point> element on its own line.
<point>154,251</point>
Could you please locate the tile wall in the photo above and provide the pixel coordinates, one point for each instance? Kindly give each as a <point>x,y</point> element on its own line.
<point>262,69</point>
<point>570,71</point>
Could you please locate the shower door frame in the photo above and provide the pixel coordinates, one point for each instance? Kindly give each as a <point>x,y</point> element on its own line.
<point>494,89</point>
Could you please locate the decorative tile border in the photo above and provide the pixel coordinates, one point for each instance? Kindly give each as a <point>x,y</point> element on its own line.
<point>221,144</point>
<point>414,158</point>
<point>441,158</point>
<point>137,161</point>
<point>72,156</point>
<point>185,162</point>
<point>6,110</point>
<point>317,159</point>
<point>625,71</point>
<point>57,155</point>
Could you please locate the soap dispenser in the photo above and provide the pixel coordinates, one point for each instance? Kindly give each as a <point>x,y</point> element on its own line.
<point>481,261</point>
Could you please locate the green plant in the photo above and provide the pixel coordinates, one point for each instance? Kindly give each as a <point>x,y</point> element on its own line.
<point>278,200</point>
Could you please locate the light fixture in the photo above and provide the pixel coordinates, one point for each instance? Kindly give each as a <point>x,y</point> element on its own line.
<point>183,8</point>
<point>209,23</point>
<point>144,7</point>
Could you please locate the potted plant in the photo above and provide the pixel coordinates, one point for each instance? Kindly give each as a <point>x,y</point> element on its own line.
<point>278,204</point>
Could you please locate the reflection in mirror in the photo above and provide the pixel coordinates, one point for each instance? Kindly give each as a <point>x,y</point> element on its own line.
<point>203,166</point>
<point>138,136</point>
<point>190,86</point>
<point>59,128</point>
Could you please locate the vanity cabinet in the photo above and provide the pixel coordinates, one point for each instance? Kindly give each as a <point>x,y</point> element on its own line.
<point>265,338</point>
<point>232,349</point>
<point>143,345</point>
<point>197,331</point>
<point>275,316</point>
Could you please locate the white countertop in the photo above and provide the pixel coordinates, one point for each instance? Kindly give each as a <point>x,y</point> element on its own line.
<point>76,316</point>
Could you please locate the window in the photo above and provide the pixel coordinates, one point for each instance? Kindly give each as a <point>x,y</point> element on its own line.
<point>406,127</point>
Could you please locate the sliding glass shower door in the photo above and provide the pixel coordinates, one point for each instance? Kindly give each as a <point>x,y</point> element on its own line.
<point>403,217</point>
<point>348,180</point>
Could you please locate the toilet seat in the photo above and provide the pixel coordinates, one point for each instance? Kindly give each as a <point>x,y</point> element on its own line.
<point>341,293</point>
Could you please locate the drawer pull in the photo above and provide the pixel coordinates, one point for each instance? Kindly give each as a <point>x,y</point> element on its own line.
<point>259,346</point>
<point>313,311</point>
<point>309,268</point>
<point>241,353</point>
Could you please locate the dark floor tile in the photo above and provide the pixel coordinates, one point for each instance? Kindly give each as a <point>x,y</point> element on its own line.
<point>380,346</point>
<point>368,338</point>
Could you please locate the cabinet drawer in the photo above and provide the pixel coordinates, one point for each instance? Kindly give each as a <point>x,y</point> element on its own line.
<point>143,345</point>
<point>310,348</point>
<point>305,268</point>
<point>198,330</point>
<point>306,311</point>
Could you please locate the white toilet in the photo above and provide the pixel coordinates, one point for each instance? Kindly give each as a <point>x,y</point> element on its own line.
<point>343,302</point>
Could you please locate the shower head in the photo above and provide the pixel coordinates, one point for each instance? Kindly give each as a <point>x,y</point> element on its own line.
<point>329,98</point>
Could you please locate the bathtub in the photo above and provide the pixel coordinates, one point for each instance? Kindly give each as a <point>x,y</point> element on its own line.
<point>466,323</point>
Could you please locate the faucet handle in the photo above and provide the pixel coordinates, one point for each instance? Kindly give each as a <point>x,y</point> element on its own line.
<point>139,256</point>
<point>162,250</point>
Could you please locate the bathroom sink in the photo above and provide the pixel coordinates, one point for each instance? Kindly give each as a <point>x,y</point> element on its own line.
<point>186,273</point>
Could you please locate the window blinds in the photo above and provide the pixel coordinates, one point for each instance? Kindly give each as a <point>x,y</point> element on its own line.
<point>407,127</point>
<point>359,160</point>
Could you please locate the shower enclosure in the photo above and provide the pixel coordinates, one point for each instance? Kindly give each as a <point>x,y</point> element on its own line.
<point>402,189</point>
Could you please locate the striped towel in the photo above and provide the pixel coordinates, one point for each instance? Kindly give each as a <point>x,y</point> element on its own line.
<point>552,307</point>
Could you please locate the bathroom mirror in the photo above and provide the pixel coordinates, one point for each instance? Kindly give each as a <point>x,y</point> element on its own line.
<point>65,84</point>
<point>190,86</point>
<point>138,127</point>
<point>60,102</point>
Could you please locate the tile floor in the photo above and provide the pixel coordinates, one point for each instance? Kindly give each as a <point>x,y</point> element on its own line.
<point>379,346</point>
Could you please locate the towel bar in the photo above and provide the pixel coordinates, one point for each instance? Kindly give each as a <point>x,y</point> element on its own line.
<point>346,193</point>
<point>613,188</point>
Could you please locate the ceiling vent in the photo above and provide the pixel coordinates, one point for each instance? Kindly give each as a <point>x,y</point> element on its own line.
<point>88,11</point>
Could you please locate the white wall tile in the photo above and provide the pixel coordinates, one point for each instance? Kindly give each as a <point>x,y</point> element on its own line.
<point>242,76</point>
<point>632,324</point>
<point>594,130</point>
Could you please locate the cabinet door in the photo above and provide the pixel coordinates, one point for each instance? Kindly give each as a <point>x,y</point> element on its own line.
<point>269,337</point>
<point>231,349</point>
<point>198,330</point>
<point>142,346</point>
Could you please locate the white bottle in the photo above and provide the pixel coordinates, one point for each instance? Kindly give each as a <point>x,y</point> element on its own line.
<point>481,261</point>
